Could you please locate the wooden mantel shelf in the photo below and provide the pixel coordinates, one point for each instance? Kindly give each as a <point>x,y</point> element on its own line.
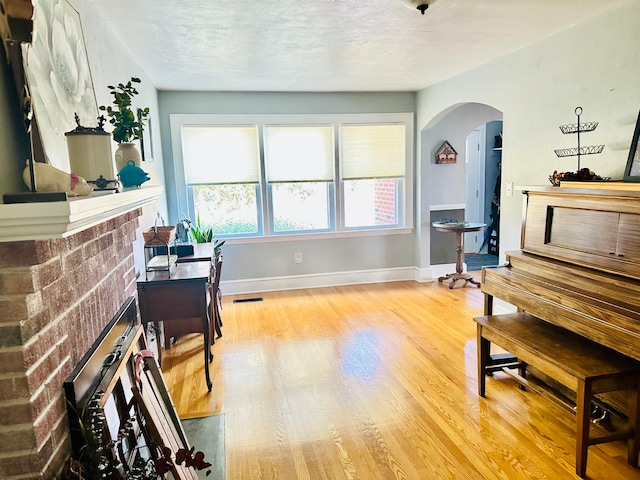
<point>46,220</point>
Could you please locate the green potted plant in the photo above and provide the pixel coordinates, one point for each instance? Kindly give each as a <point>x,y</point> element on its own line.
<point>128,123</point>
<point>202,233</point>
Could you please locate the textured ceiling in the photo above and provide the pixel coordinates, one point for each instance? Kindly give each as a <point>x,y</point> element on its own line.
<point>328,45</point>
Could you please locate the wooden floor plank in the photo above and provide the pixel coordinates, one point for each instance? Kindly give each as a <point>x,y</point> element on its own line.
<point>372,382</point>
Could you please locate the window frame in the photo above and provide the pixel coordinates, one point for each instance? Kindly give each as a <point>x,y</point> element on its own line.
<point>405,202</point>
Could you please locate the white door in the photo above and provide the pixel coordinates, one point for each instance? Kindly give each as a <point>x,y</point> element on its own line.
<point>474,171</point>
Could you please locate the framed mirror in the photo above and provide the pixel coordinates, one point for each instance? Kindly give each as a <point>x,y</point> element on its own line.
<point>632,170</point>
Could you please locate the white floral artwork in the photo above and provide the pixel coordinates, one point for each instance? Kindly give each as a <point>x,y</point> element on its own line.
<point>58,76</point>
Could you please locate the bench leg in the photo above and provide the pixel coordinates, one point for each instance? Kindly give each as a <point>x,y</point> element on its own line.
<point>522,371</point>
<point>583,421</point>
<point>484,353</point>
<point>634,423</point>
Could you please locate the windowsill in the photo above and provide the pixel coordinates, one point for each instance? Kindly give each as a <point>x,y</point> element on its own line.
<point>46,220</point>
<point>317,236</point>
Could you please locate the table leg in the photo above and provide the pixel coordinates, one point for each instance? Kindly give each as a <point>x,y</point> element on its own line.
<point>583,421</point>
<point>459,251</point>
<point>206,326</point>
<point>484,353</point>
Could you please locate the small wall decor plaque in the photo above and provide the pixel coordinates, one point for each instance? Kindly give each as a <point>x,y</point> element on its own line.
<point>446,154</point>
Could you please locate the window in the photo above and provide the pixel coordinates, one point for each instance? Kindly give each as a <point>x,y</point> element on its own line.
<point>373,166</point>
<point>271,175</point>
<point>299,161</point>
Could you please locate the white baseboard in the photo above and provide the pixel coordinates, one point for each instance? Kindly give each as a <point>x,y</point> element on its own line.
<point>235,287</point>
<point>273,284</point>
<point>424,275</point>
<point>442,269</point>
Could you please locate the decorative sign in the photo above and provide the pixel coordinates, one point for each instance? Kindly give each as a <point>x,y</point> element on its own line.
<point>446,154</point>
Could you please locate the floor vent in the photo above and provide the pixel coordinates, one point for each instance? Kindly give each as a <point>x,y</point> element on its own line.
<point>245,300</point>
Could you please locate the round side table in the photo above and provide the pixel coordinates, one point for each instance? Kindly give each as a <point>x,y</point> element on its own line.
<point>459,229</point>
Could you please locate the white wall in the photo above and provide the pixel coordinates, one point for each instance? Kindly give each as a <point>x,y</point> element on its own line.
<point>595,65</point>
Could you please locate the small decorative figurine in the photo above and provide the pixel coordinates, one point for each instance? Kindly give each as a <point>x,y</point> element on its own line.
<point>50,179</point>
<point>132,175</point>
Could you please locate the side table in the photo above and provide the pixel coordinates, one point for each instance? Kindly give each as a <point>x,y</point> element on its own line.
<point>459,228</point>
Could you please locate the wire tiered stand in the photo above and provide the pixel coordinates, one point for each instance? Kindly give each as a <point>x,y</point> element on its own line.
<point>578,128</point>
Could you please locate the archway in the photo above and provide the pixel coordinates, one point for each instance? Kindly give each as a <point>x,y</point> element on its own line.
<point>442,187</point>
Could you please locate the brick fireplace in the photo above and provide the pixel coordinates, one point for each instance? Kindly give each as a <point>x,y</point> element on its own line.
<point>56,296</point>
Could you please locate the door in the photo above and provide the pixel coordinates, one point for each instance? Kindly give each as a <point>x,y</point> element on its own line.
<point>475,187</point>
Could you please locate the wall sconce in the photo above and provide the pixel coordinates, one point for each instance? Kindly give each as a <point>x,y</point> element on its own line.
<point>421,5</point>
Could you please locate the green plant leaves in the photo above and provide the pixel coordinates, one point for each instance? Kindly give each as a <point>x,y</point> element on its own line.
<point>128,126</point>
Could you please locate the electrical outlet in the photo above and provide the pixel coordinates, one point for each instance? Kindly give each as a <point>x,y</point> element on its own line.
<point>297,257</point>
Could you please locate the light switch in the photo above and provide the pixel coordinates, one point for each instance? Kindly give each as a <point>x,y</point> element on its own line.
<point>509,189</point>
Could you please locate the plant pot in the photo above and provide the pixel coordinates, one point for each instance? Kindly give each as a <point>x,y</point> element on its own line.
<point>125,152</point>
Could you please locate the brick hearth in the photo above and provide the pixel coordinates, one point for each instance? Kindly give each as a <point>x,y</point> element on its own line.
<point>56,296</point>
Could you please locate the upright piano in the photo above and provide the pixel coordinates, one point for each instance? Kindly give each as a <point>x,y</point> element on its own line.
<point>579,265</point>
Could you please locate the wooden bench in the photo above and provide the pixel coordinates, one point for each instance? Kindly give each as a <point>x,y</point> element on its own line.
<point>574,361</point>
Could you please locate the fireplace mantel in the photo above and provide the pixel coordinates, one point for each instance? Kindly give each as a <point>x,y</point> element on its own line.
<point>46,220</point>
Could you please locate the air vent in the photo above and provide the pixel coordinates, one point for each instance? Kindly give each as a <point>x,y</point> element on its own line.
<point>246,300</point>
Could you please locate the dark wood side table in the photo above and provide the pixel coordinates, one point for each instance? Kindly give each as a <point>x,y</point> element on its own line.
<point>459,229</point>
<point>178,295</point>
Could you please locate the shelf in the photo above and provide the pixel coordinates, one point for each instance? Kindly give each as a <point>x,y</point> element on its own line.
<point>47,220</point>
<point>578,127</point>
<point>572,152</point>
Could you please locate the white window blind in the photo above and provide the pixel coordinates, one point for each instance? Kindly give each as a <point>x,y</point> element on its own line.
<point>220,154</point>
<point>299,153</point>
<point>372,151</point>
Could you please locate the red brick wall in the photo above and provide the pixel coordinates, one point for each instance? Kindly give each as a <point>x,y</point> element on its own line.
<point>385,199</point>
<point>56,296</point>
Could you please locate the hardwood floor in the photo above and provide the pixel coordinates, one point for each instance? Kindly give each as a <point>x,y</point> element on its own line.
<point>372,382</point>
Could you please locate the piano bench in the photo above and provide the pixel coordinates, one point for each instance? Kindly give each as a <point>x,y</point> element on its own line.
<point>577,363</point>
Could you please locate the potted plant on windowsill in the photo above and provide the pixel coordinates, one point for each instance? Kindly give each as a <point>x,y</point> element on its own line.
<point>128,124</point>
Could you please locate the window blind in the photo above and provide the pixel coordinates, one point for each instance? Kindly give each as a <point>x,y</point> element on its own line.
<point>372,151</point>
<point>220,154</point>
<point>299,153</point>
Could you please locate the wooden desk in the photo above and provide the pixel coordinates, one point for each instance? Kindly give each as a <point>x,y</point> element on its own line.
<point>180,294</point>
<point>459,229</point>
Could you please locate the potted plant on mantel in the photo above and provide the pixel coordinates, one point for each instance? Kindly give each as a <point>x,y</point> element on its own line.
<point>128,126</point>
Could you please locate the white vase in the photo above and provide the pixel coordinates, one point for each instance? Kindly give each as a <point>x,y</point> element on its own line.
<point>125,152</point>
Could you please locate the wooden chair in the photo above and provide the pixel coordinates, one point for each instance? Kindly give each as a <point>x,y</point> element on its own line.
<point>174,330</point>
<point>215,299</point>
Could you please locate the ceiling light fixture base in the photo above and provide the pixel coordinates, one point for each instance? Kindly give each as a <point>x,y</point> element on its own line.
<point>420,5</point>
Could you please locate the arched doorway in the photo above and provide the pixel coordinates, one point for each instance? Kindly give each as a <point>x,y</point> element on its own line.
<point>444,186</point>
